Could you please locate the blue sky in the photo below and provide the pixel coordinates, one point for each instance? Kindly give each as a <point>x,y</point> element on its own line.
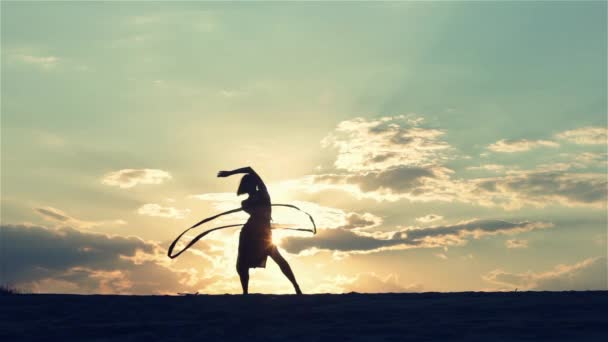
<point>470,135</point>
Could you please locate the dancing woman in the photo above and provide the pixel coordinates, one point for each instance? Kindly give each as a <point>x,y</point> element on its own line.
<point>255,240</point>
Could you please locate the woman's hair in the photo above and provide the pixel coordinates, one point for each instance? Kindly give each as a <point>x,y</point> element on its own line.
<point>247,185</point>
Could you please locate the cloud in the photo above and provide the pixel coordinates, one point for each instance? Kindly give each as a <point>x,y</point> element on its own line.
<point>586,135</point>
<point>61,218</point>
<point>144,19</point>
<point>361,221</point>
<point>197,21</point>
<point>404,182</point>
<point>50,140</point>
<point>441,256</point>
<point>324,216</point>
<point>366,283</point>
<point>216,196</point>
<point>429,218</point>
<point>539,189</point>
<point>548,185</point>
<point>590,158</point>
<point>53,214</point>
<point>153,209</point>
<point>349,241</point>
<point>386,142</point>
<point>511,146</point>
<point>128,178</point>
<point>589,274</point>
<point>45,62</point>
<point>231,93</point>
<point>488,167</point>
<point>393,158</point>
<point>42,259</point>
<point>514,243</point>
<point>222,201</point>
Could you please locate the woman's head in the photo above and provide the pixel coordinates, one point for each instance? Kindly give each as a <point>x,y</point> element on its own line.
<point>247,185</point>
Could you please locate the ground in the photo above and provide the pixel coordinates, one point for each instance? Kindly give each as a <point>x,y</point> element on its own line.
<point>469,316</point>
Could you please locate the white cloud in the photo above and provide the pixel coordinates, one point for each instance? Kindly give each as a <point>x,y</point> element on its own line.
<point>221,200</point>
<point>441,256</point>
<point>50,140</point>
<point>366,283</point>
<point>128,178</point>
<point>153,209</point>
<point>144,19</point>
<point>386,142</point>
<point>231,93</point>
<point>514,243</point>
<point>589,274</point>
<point>488,167</point>
<point>429,218</point>
<point>193,21</point>
<point>586,135</point>
<point>590,157</point>
<point>511,146</point>
<point>46,62</point>
<point>392,158</point>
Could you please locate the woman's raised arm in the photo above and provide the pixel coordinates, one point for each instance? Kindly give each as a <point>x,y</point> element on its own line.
<point>246,170</point>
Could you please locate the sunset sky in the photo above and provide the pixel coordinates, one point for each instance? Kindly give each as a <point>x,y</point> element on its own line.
<point>440,146</point>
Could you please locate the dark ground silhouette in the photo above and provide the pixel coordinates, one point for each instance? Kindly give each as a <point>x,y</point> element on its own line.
<point>510,316</point>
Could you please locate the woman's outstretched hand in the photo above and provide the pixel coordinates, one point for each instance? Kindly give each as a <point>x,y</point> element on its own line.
<point>224,174</point>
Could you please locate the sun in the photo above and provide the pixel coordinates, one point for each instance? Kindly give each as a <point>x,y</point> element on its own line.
<point>276,239</point>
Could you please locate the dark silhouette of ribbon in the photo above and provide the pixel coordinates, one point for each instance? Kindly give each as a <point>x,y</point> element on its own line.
<point>201,235</point>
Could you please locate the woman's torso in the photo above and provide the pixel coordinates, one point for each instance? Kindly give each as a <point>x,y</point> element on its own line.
<point>259,209</point>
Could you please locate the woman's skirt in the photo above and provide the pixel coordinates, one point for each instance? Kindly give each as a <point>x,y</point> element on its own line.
<point>255,244</point>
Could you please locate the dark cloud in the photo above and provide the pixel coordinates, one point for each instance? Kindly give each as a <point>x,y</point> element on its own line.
<point>513,190</point>
<point>543,188</point>
<point>379,158</point>
<point>53,214</point>
<point>361,221</point>
<point>61,218</point>
<point>398,180</point>
<point>337,240</point>
<point>86,262</point>
<point>344,240</point>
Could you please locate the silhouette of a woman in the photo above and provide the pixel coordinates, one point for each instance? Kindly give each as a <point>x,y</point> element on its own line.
<point>255,240</point>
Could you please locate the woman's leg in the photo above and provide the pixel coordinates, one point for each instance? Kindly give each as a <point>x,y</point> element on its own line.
<point>244,275</point>
<point>243,270</point>
<point>278,258</point>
